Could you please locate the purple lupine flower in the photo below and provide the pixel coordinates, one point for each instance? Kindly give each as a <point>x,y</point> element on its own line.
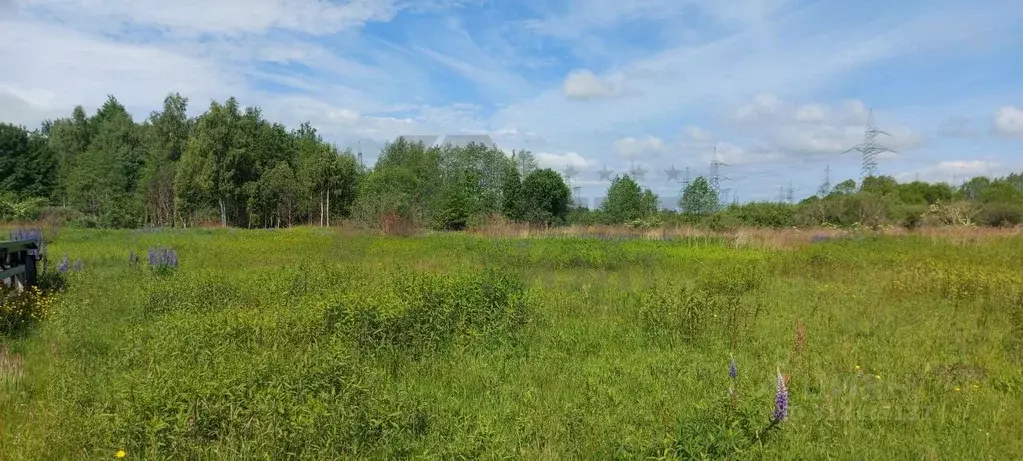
<point>163,257</point>
<point>781,401</point>
<point>64,265</point>
<point>78,265</point>
<point>733,369</point>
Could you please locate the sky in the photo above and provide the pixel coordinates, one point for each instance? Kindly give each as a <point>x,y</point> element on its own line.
<point>776,90</point>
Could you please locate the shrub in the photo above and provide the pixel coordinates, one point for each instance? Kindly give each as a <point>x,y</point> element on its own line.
<point>1000,214</point>
<point>19,310</point>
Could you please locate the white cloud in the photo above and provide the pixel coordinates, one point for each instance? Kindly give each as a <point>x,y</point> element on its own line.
<point>583,84</point>
<point>137,74</point>
<point>949,170</point>
<point>764,106</point>
<point>633,147</point>
<point>230,17</point>
<point>812,113</point>
<point>559,161</point>
<point>815,129</point>
<point>1007,121</point>
<point>697,134</point>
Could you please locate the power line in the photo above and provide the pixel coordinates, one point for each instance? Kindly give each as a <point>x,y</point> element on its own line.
<point>870,148</point>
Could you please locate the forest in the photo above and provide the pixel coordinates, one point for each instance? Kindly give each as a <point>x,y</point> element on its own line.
<point>233,167</point>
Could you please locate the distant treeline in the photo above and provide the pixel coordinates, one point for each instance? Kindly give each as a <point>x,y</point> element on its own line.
<point>231,166</point>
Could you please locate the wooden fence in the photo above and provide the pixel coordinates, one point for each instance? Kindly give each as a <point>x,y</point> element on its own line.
<point>18,263</point>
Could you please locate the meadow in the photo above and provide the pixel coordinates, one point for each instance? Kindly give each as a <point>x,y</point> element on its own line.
<point>319,344</point>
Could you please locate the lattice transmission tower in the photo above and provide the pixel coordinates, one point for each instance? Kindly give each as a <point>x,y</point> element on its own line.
<point>870,148</point>
<point>715,172</point>
<point>826,185</point>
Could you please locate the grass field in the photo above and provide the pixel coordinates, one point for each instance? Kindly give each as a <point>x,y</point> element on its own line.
<point>312,344</point>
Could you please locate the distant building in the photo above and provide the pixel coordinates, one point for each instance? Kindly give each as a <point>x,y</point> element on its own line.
<point>455,140</point>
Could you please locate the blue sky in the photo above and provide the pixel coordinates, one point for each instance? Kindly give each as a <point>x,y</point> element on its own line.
<point>778,88</point>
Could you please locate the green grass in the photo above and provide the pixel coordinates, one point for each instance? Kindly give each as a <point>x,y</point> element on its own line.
<point>306,343</point>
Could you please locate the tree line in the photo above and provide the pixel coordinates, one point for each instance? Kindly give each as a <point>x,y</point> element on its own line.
<point>231,166</point>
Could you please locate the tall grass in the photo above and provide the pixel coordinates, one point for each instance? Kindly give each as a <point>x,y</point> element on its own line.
<point>312,344</point>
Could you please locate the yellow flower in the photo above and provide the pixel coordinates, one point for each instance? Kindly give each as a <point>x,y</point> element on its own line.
<point>119,454</point>
<point>956,389</point>
<point>877,376</point>
<point>857,368</point>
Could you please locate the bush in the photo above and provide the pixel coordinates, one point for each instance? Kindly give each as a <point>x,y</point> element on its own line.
<point>723,222</point>
<point>1000,214</point>
<point>19,310</point>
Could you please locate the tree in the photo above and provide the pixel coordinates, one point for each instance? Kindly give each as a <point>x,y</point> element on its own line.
<point>626,201</point>
<point>545,197</point>
<point>698,198</point>
<point>274,196</point>
<point>103,179</point>
<point>879,185</point>
<point>68,139</point>
<point>204,176</point>
<point>524,161</point>
<point>405,181</point>
<point>511,194</point>
<point>844,188</point>
<point>166,138</point>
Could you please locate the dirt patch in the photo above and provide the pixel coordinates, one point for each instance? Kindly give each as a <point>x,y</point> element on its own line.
<point>10,364</point>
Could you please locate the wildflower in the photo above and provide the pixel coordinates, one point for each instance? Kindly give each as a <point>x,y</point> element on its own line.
<point>78,267</point>
<point>163,258</point>
<point>64,265</point>
<point>781,401</point>
<point>733,369</point>
<point>857,368</point>
<point>120,454</point>
<point>956,389</point>
<point>877,376</point>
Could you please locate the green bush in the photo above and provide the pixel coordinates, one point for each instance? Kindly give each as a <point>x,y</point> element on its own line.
<point>20,310</point>
<point>723,222</point>
<point>1000,214</point>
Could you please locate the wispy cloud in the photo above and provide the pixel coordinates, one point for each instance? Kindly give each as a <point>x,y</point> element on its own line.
<point>777,87</point>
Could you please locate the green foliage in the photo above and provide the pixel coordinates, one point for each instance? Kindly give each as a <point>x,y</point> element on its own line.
<point>27,165</point>
<point>626,201</point>
<point>232,166</point>
<point>20,310</point>
<point>698,198</point>
<point>764,214</point>
<point>544,197</point>
<point>511,195</point>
